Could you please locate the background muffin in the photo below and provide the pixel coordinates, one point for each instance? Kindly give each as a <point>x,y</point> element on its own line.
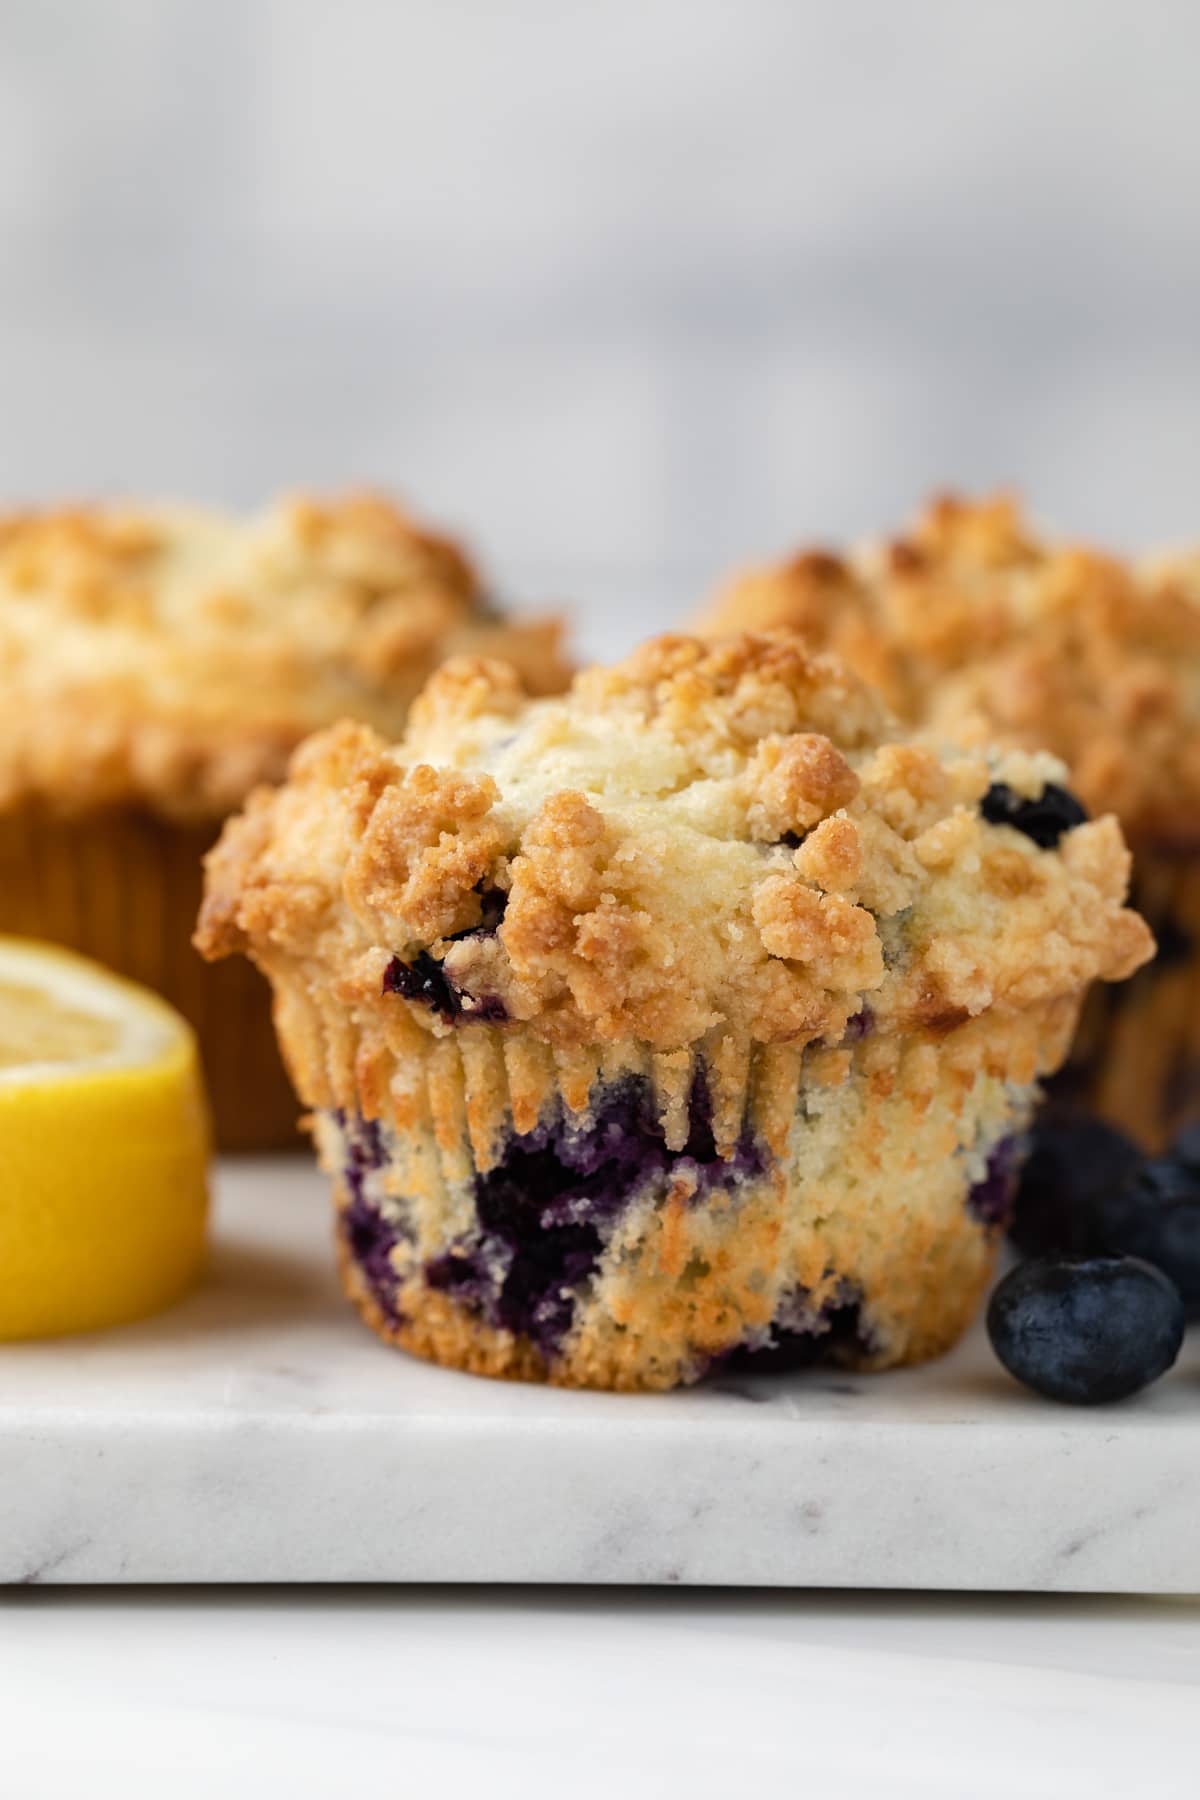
<point>974,626</point>
<point>691,1016</point>
<point>156,663</point>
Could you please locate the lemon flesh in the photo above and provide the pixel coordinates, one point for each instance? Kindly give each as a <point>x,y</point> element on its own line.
<point>103,1147</point>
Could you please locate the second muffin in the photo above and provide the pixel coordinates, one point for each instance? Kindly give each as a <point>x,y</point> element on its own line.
<point>687,1018</point>
<point>155,664</point>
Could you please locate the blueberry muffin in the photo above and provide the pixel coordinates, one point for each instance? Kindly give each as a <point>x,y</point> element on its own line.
<point>971,625</point>
<point>691,1019</point>
<point>157,663</point>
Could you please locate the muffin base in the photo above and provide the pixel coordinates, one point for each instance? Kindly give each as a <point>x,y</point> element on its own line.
<point>1136,1058</point>
<point>851,1213</point>
<point>125,889</point>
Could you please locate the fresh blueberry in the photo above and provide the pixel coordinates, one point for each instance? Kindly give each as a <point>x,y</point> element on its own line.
<point>1045,819</point>
<point>1156,1216</point>
<point>1075,1164</point>
<point>1185,1148</point>
<point>1085,1330</point>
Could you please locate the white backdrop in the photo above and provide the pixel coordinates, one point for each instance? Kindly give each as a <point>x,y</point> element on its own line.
<point>627,290</point>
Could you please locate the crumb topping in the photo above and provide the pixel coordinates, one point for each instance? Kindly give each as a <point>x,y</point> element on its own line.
<point>173,658</point>
<point>708,837</point>
<point>973,625</point>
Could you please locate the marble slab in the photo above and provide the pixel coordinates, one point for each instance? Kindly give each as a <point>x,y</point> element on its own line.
<point>259,1433</point>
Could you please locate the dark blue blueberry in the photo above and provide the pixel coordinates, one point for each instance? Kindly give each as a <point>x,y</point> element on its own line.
<point>546,1209</point>
<point>1185,1148</point>
<point>1045,819</point>
<point>991,1199</point>
<point>1085,1330</point>
<point>1156,1216</point>
<point>1074,1166</point>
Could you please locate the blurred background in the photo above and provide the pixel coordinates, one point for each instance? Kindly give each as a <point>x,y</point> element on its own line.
<point>627,292</point>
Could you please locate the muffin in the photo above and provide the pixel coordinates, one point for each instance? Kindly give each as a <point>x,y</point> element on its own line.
<point>157,663</point>
<point>690,1019</point>
<point>974,626</point>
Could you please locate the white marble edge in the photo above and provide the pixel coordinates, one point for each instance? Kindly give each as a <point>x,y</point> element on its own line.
<point>259,1433</point>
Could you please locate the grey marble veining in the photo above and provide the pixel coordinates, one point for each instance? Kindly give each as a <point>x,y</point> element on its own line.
<point>259,1433</point>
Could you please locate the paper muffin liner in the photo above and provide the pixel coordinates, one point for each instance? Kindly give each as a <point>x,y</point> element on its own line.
<point>614,1218</point>
<point>125,889</point>
<point>1136,1057</point>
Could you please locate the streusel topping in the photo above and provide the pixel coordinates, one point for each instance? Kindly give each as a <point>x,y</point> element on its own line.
<point>709,836</point>
<point>974,625</point>
<point>173,658</point>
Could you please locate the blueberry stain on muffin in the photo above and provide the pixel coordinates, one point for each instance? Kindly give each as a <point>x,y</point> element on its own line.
<point>547,1207</point>
<point>835,1333</point>
<point>369,1235</point>
<point>990,1199</point>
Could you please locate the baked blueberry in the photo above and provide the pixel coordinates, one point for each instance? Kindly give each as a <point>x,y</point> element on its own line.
<point>1075,1165</point>
<point>1045,819</point>
<point>1085,1330</point>
<point>423,979</point>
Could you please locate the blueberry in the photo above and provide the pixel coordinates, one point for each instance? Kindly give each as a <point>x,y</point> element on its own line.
<point>1156,1216</point>
<point>423,979</point>
<point>1185,1148</point>
<point>1085,1330</point>
<point>1075,1163</point>
<point>1045,819</point>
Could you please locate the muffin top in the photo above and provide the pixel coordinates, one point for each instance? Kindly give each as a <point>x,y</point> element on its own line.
<point>709,837</point>
<point>974,625</point>
<point>171,658</point>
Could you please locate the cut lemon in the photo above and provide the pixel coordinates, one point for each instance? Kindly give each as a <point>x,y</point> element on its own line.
<point>103,1146</point>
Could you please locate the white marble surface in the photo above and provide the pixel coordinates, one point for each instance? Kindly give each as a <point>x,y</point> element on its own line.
<point>259,1433</point>
<point>550,1695</point>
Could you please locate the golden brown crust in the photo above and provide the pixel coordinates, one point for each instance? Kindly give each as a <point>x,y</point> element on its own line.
<point>171,658</point>
<point>972,624</point>
<point>624,828</point>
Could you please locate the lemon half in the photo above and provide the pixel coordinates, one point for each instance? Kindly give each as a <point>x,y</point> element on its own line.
<point>103,1146</point>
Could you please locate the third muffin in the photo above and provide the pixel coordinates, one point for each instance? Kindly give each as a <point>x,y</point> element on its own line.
<point>155,663</point>
<point>974,625</point>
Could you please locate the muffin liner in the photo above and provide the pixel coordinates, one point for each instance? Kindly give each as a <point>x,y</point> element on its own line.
<point>615,1218</point>
<point>125,889</point>
<point>1136,1058</point>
